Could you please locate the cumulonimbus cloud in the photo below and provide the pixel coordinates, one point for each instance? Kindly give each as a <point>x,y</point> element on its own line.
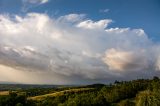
<point>74,48</point>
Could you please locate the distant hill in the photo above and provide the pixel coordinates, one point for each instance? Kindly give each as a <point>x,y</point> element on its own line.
<point>11,86</point>
<point>6,82</point>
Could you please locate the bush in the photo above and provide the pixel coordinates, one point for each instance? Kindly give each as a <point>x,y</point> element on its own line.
<point>148,98</point>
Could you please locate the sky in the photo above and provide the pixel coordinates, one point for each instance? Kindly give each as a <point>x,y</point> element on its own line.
<point>78,42</point>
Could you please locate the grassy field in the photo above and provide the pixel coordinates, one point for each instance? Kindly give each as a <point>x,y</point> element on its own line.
<point>59,93</point>
<point>4,92</point>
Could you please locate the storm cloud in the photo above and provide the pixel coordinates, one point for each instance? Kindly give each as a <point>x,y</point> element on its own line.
<point>73,49</point>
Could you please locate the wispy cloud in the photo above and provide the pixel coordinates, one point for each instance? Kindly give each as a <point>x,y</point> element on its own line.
<point>36,1</point>
<point>104,10</point>
<point>28,4</point>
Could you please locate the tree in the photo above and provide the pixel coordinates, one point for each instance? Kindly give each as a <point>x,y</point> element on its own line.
<point>155,78</point>
<point>19,104</point>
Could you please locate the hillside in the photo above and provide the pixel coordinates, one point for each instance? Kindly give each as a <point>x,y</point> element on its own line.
<point>140,92</point>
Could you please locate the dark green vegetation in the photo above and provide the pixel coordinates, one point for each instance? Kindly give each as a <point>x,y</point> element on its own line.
<point>141,92</point>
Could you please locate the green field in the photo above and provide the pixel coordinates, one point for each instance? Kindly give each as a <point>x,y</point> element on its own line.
<point>59,93</point>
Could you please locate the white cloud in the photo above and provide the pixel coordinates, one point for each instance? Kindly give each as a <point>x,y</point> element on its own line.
<point>71,49</point>
<point>72,18</point>
<point>89,24</point>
